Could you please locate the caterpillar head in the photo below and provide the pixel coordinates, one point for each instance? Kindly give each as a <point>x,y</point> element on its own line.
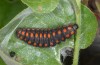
<point>75,26</point>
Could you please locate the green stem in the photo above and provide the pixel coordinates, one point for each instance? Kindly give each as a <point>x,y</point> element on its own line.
<point>77,8</point>
<point>76,54</point>
<point>78,3</point>
<point>77,47</point>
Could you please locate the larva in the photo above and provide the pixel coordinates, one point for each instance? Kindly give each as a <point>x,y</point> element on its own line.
<point>46,37</point>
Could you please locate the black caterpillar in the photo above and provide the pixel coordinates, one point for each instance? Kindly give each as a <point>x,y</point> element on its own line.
<point>46,37</point>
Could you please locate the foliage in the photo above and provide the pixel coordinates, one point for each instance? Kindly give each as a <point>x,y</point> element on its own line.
<point>63,13</point>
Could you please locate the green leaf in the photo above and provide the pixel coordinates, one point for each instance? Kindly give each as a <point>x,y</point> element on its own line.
<point>28,55</point>
<point>41,6</point>
<point>62,15</point>
<point>89,27</point>
<point>8,9</point>
<point>7,32</point>
<point>2,62</point>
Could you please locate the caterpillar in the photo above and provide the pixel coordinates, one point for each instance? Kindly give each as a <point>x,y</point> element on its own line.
<point>46,37</point>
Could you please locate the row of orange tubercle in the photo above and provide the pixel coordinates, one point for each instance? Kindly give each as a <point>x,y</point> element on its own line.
<point>46,37</point>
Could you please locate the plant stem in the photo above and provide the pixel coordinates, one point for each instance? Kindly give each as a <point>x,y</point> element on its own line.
<point>78,3</point>
<point>76,48</point>
<point>77,8</point>
<point>76,54</point>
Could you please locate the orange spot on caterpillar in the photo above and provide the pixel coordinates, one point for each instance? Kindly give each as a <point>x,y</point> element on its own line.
<point>54,34</point>
<point>36,35</point>
<point>23,32</point>
<point>40,35</point>
<point>72,32</point>
<point>44,35</point>
<point>62,38</point>
<point>57,41</point>
<point>34,44</point>
<point>40,44</point>
<point>64,30</point>
<point>69,28</point>
<point>45,45</point>
<point>51,44</point>
<point>27,34</point>
<point>67,36</point>
<point>31,35</point>
<point>49,35</point>
<point>59,32</point>
<point>21,38</point>
<point>29,42</point>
